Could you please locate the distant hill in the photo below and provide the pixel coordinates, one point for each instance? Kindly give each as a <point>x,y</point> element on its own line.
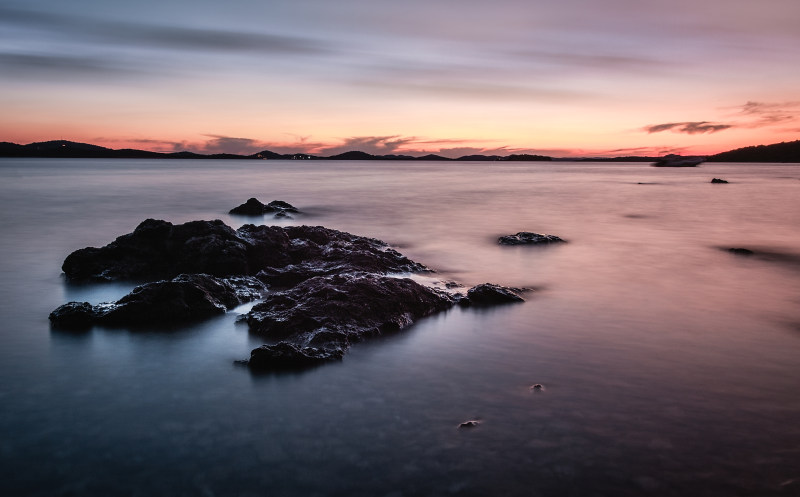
<point>777,152</point>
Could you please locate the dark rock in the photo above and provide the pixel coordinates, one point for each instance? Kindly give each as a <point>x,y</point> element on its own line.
<point>740,251</point>
<point>158,249</point>
<point>161,250</point>
<point>718,180</point>
<point>280,205</point>
<point>287,356</point>
<point>336,288</point>
<point>490,294</point>
<point>253,207</point>
<point>73,316</point>
<point>344,308</point>
<point>528,238</point>
<point>186,298</point>
<point>469,424</point>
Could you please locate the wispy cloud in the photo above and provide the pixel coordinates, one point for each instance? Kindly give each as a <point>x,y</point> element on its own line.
<point>770,113</point>
<point>158,36</point>
<point>689,127</point>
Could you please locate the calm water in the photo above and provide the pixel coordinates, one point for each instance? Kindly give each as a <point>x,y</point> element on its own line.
<point>670,367</point>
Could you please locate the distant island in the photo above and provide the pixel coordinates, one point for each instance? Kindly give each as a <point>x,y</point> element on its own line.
<point>778,152</point>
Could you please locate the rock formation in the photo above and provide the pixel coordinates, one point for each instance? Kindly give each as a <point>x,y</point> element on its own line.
<point>528,238</point>
<point>329,288</point>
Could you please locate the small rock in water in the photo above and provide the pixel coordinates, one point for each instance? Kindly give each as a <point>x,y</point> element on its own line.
<point>489,293</point>
<point>254,207</point>
<point>469,424</point>
<point>740,251</point>
<point>718,180</point>
<point>537,387</point>
<point>528,238</point>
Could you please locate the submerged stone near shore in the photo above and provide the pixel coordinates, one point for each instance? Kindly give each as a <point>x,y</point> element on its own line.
<point>186,298</point>
<point>332,288</point>
<point>528,238</point>
<point>254,207</point>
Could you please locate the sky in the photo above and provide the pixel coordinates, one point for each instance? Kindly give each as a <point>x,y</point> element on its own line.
<point>452,77</point>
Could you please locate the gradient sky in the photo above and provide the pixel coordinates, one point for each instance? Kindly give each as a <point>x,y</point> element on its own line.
<point>565,77</point>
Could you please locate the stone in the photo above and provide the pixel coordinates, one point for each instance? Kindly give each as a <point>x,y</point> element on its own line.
<point>183,299</point>
<point>344,308</point>
<point>160,250</point>
<point>491,294</point>
<point>718,180</point>
<point>286,356</point>
<point>528,238</point>
<point>254,207</point>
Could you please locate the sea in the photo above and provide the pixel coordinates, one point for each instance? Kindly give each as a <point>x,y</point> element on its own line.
<point>669,365</point>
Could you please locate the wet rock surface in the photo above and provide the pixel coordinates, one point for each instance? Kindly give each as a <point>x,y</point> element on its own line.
<point>344,308</point>
<point>719,181</point>
<point>286,356</point>
<point>529,238</point>
<point>159,250</point>
<point>329,289</point>
<point>491,294</point>
<point>254,207</point>
<point>186,298</point>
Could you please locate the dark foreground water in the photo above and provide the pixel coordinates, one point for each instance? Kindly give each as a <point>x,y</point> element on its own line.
<point>670,367</point>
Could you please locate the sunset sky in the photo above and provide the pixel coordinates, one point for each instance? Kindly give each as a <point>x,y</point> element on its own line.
<point>563,78</point>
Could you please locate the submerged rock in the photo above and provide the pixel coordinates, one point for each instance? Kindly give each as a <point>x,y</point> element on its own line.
<point>491,294</point>
<point>741,251</point>
<point>528,238</point>
<point>254,207</point>
<point>718,180</point>
<point>472,423</point>
<point>186,298</point>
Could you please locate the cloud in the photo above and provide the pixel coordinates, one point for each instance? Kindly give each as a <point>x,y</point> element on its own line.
<point>690,127</point>
<point>26,65</point>
<point>106,32</point>
<point>770,113</point>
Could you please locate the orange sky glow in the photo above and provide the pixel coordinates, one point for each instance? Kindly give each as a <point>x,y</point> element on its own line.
<point>565,79</point>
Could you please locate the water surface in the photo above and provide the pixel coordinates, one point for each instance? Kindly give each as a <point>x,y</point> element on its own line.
<point>670,365</point>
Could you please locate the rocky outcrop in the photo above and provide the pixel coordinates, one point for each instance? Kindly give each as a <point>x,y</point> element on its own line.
<point>528,238</point>
<point>491,294</point>
<point>335,311</point>
<point>332,289</point>
<point>254,207</point>
<point>286,356</point>
<point>160,250</point>
<point>186,298</point>
<point>718,181</point>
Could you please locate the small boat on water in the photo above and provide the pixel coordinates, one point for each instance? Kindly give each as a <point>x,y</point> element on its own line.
<point>674,160</point>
